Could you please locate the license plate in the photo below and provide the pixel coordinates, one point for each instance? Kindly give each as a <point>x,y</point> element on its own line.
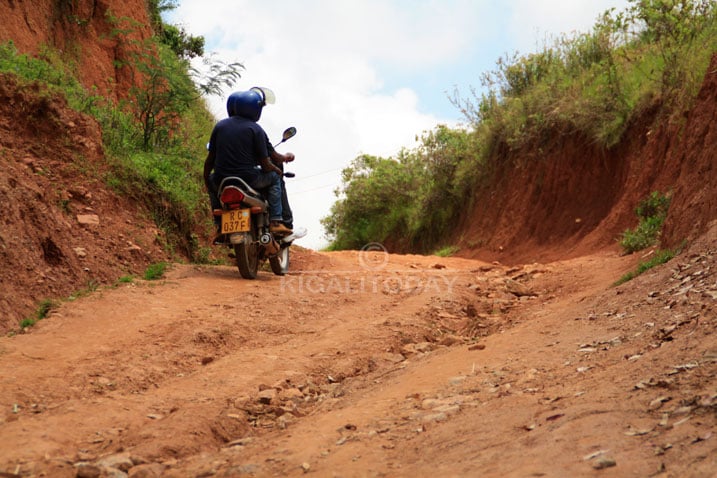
<point>238,220</point>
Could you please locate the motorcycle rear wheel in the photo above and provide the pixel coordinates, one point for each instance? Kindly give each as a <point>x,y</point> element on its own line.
<point>247,259</point>
<point>280,262</point>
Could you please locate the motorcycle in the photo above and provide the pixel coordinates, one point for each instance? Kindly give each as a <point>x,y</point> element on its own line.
<point>245,226</point>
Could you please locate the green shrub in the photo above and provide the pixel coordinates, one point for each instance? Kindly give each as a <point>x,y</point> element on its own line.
<point>651,212</point>
<point>655,205</point>
<point>43,310</point>
<point>413,199</point>
<point>155,271</point>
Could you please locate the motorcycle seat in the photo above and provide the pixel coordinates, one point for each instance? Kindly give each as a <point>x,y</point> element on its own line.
<point>240,183</point>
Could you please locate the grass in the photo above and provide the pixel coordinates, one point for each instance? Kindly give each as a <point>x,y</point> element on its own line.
<point>660,257</point>
<point>43,310</point>
<point>447,251</point>
<point>92,286</point>
<point>155,271</point>
<point>203,256</point>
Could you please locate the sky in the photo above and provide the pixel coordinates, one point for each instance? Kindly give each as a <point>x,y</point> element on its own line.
<point>366,76</point>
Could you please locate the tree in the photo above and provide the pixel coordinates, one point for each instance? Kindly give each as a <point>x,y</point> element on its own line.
<point>672,26</point>
<point>216,75</point>
<point>182,44</point>
<point>155,9</point>
<point>162,95</point>
<point>163,77</point>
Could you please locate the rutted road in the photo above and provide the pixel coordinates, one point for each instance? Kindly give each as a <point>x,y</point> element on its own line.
<point>356,365</point>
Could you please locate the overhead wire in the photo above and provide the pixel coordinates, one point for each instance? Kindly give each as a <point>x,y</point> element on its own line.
<point>293,180</point>
<point>312,189</point>
<point>317,174</point>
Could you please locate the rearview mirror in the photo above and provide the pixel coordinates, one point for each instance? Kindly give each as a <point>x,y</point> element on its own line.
<point>288,133</point>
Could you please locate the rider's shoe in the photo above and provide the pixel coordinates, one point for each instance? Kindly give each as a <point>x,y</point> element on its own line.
<point>278,228</point>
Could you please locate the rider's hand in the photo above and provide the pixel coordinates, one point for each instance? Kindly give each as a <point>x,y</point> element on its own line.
<point>289,157</point>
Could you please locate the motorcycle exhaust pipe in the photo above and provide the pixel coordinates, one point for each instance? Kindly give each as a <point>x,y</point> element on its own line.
<point>270,245</point>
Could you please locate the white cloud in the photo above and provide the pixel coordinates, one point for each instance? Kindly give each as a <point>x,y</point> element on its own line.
<point>329,63</point>
<point>534,21</point>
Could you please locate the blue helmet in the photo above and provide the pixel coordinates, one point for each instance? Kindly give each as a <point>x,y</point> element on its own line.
<point>248,104</point>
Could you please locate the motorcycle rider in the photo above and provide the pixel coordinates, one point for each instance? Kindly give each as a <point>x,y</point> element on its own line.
<point>279,159</point>
<point>237,146</point>
<point>276,157</point>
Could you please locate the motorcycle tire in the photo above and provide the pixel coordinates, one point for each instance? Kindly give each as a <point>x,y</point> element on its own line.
<point>247,259</point>
<point>280,262</point>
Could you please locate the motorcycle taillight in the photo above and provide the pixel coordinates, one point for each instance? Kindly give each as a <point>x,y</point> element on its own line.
<point>232,197</point>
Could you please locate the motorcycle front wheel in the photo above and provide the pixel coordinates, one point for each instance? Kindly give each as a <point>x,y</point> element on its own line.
<point>247,259</point>
<point>280,262</point>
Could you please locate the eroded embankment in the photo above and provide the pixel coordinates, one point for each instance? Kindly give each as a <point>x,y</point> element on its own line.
<point>564,197</point>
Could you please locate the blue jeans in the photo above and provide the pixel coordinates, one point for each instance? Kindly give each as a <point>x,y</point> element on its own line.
<point>271,183</point>
<point>288,217</point>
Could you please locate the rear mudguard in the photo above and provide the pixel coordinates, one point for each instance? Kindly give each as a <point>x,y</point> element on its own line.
<point>240,237</point>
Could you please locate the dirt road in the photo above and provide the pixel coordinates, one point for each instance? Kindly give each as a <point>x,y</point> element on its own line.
<point>374,365</point>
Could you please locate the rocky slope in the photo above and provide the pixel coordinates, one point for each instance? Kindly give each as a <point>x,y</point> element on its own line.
<point>63,231</point>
